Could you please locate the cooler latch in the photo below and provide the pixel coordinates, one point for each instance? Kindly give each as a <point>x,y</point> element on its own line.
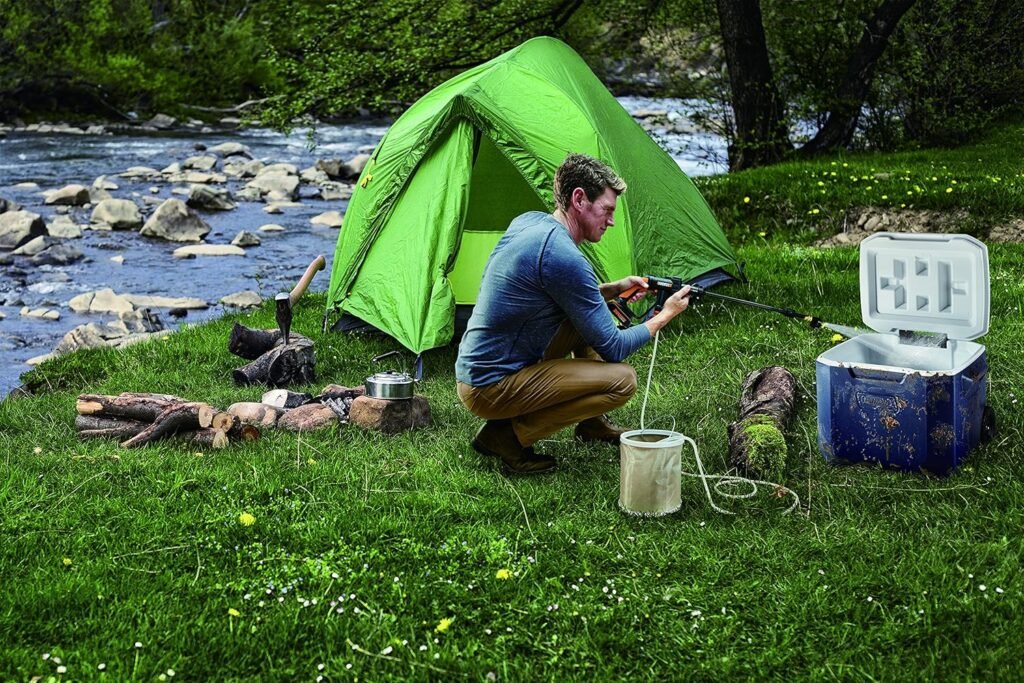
<point>937,340</point>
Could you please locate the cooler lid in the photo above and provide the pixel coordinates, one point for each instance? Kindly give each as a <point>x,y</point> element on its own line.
<point>925,283</point>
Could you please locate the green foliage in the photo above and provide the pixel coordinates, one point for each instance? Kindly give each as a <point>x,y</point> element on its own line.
<point>766,448</point>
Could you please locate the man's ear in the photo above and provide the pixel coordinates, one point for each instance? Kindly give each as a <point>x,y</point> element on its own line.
<point>578,195</point>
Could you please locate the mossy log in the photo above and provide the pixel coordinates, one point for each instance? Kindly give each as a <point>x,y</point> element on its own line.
<point>757,445</point>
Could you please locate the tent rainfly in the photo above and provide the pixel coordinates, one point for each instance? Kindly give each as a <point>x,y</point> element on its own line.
<point>454,170</point>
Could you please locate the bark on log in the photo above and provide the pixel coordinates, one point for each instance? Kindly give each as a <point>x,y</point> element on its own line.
<point>142,407</point>
<point>293,363</point>
<point>245,432</point>
<point>94,422</point>
<point>251,343</point>
<point>756,442</point>
<point>211,438</point>
<point>177,418</point>
<point>119,433</point>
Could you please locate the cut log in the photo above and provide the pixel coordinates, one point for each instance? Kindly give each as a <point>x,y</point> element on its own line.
<point>142,407</point>
<point>250,343</point>
<point>226,422</point>
<point>93,422</point>
<point>294,363</point>
<point>282,398</point>
<point>118,433</point>
<point>207,414</point>
<point>177,418</point>
<point>211,438</point>
<point>259,414</point>
<point>246,432</point>
<point>756,441</point>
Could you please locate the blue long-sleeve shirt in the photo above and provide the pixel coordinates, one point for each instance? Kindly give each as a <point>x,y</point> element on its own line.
<point>535,279</point>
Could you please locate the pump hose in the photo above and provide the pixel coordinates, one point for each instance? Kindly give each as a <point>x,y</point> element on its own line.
<point>722,481</point>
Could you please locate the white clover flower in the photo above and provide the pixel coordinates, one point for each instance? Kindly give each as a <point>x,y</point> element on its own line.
<point>62,669</point>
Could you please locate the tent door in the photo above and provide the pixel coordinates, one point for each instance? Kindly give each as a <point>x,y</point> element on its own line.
<point>498,193</point>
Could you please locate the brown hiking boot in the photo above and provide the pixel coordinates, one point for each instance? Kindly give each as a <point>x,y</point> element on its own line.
<point>497,439</point>
<point>599,429</point>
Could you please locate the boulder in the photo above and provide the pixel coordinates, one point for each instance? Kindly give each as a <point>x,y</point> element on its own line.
<point>210,198</point>
<point>279,169</point>
<point>200,163</point>
<point>249,194</point>
<point>174,221</point>
<point>334,168</point>
<point>246,239</point>
<point>18,227</point>
<point>119,214</point>
<point>271,227</point>
<point>161,122</point>
<point>146,301</point>
<point>129,328</point>
<point>64,228</point>
<point>173,169</point>
<point>231,149</point>
<point>69,195</point>
<point>313,175</point>
<point>246,299</point>
<point>390,417</point>
<point>7,205</point>
<point>208,250</point>
<point>332,219</point>
<point>287,185</point>
<point>354,166</point>
<point>101,301</point>
<point>40,313</point>
<point>35,245</point>
<point>308,417</point>
<point>57,255</point>
<point>140,172</point>
<point>332,191</point>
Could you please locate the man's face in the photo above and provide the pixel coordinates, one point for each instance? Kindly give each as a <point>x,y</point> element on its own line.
<point>594,217</point>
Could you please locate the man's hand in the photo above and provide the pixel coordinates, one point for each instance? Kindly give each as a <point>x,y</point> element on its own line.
<point>610,290</point>
<point>674,305</point>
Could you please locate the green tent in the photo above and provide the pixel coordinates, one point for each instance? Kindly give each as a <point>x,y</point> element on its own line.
<point>482,148</point>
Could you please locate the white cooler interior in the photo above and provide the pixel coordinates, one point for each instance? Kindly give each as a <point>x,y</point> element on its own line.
<point>886,351</point>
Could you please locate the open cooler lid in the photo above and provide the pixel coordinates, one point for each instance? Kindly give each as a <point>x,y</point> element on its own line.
<point>925,283</point>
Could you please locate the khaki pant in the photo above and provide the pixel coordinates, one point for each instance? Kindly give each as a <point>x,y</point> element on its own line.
<point>556,392</point>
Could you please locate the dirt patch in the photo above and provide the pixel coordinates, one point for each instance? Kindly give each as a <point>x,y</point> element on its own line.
<point>1008,232</point>
<point>874,219</point>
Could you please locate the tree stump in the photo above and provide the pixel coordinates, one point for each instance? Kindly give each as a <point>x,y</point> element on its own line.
<point>273,362</point>
<point>756,442</point>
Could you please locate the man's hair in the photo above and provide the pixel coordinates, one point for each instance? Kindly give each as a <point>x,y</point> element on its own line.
<point>593,176</point>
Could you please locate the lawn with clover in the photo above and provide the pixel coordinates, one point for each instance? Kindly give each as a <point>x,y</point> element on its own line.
<point>345,554</point>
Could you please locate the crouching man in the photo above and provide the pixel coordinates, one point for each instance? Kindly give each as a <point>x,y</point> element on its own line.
<point>541,351</point>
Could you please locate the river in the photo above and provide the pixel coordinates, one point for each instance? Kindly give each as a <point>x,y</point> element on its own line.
<point>51,161</point>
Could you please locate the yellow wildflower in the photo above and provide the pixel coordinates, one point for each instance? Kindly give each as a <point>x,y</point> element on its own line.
<point>443,625</point>
<point>232,612</point>
<point>949,189</point>
<point>815,211</point>
<point>503,574</point>
<point>67,562</point>
<point>836,338</point>
<point>246,519</point>
<point>746,200</point>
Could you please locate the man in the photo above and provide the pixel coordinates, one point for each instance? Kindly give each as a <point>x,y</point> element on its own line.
<point>539,301</point>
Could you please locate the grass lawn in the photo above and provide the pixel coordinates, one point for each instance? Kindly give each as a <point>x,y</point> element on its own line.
<point>410,557</point>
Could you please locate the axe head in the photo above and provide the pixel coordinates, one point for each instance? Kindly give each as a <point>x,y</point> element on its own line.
<point>283,314</point>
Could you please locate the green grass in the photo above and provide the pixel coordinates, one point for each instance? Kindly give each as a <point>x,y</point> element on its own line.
<point>806,200</point>
<point>877,576</point>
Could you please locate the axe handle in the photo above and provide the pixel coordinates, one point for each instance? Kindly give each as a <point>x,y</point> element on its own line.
<point>318,264</point>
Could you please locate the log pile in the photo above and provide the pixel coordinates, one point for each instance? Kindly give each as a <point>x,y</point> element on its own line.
<point>274,363</point>
<point>136,419</point>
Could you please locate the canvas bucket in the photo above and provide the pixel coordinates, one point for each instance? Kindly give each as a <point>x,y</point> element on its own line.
<point>650,462</point>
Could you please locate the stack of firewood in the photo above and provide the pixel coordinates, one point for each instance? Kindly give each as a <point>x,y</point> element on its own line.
<point>136,419</point>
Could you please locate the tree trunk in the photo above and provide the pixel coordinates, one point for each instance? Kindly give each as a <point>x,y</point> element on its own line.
<point>842,119</point>
<point>761,137</point>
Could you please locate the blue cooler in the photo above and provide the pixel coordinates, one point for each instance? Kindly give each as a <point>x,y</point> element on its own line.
<point>911,396</point>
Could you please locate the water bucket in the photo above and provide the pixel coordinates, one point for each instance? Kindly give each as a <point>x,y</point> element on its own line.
<point>650,471</point>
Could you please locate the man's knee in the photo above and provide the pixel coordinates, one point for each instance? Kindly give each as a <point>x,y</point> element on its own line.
<point>625,382</point>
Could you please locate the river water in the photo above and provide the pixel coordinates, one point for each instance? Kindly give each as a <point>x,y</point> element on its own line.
<point>52,161</point>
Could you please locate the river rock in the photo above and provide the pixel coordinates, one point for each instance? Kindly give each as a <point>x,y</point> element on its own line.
<point>200,163</point>
<point>334,168</point>
<point>140,172</point>
<point>119,214</point>
<point>64,228</point>
<point>279,207</point>
<point>27,185</point>
<point>117,259</point>
<point>308,417</point>
<point>40,313</point>
<point>246,239</point>
<point>174,221</point>
<point>69,195</point>
<point>210,198</point>
<point>279,169</point>
<point>249,194</point>
<point>35,245</point>
<point>389,417</point>
<point>130,327</point>
<point>240,168</point>
<point>286,184</point>
<point>148,301</point>
<point>232,149</point>
<point>208,250</point>
<point>18,227</point>
<point>173,169</point>
<point>101,301</point>
<point>354,166</point>
<point>332,219</point>
<point>57,255</point>
<point>334,191</point>
<point>198,177</point>
<point>161,122</point>
<point>246,299</point>
<point>313,175</point>
<point>7,205</point>
<point>271,227</point>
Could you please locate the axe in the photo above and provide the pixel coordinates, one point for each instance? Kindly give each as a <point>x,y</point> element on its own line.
<point>286,300</point>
